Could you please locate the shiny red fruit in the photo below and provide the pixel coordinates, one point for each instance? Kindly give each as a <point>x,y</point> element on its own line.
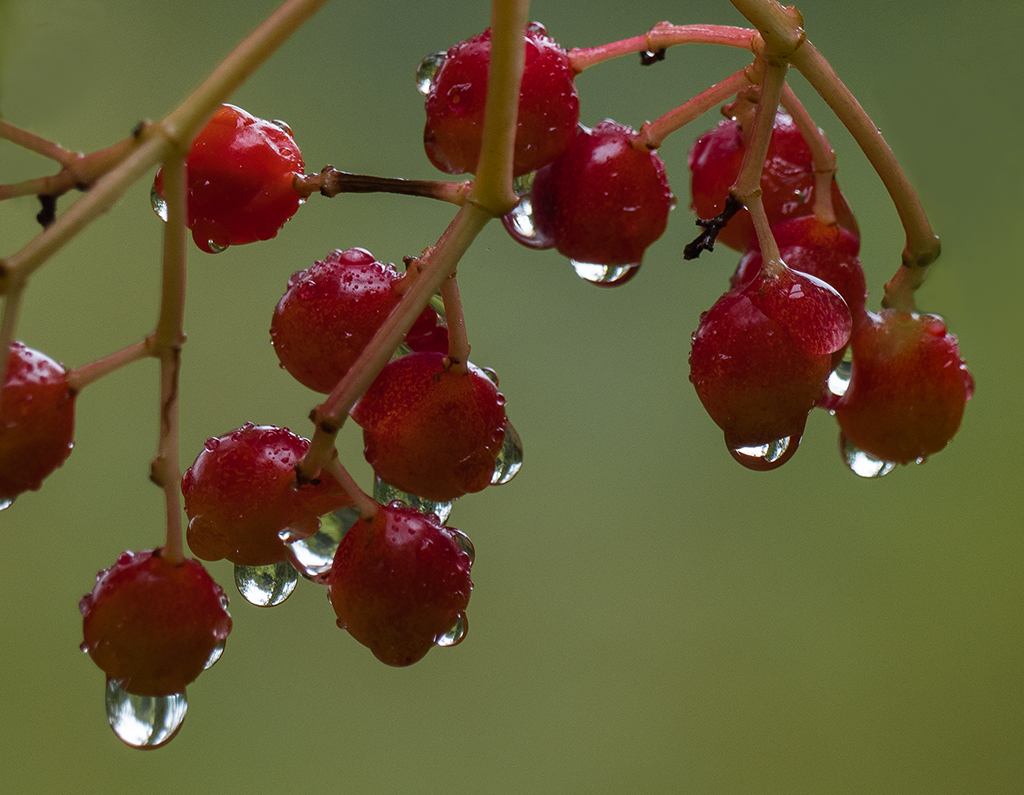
<point>400,582</point>
<point>154,626</point>
<point>240,180</point>
<point>787,180</point>
<point>37,420</point>
<point>431,431</point>
<point>908,387</point>
<point>240,495</point>
<point>549,107</point>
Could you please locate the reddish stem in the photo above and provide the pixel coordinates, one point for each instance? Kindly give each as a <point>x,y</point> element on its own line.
<point>660,37</point>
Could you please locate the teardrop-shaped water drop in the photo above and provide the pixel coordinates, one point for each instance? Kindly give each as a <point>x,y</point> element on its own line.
<point>839,379</point>
<point>5,504</point>
<point>605,275</point>
<point>522,184</point>
<point>510,457</point>
<point>519,223</point>
<point>158,204</point>
<point>426,70</point>
<point>216,248</point>
<point>312,557</point>
<point>766,456</point>
<point>455,635</point>
<point>144,721</point>
<point>861,463</point>
<point>385,494</point>
<point>266,586</point>
<point>464,544</point>
<point>216,654</point>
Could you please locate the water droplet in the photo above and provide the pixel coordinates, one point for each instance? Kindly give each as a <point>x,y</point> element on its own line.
<point>839,379</point>
<point>216,248</point>
<point>510,457</point>
<point>158,204</point>
<point>144,721</point>
<point>519,223</point>
<point>426,70</point>
<point>861,463</point>
<point>491,375</point>
<point>536,28</point>
<point>464,544</point>
<point>282,126</point>
<point>385,494</point>
<point>216,654</point>
<point>313,556</point>
<point>266,586</point>
<point>605,275</point>
<point>766,456</point>
<point>455,635</point>
<point>5,504</point>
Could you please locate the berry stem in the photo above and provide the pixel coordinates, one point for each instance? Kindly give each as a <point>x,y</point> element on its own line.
<point>366,504</point>
<point>661,36</point>
<point>81,377</point>
<point>330,182</point>
<point>823,156</point>
<point>458,339</point>
<point>781,27</point>
<point>8,325</point>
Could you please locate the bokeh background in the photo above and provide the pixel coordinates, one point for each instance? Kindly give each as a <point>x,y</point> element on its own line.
<point>648,616</point>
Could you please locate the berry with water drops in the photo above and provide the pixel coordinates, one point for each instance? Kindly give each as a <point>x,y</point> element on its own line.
<point>908,387</point>
<point>430,429</point>
<point>241,172</point>
<point>331,311</point>
<point>400,583</point>
<point>37,420</point>
<point>241,494</point>
<point>604,201</point>
<point>549,106</point>
<point>153,625</point>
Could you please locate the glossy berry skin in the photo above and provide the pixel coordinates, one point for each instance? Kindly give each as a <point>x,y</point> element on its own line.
<point>240,180</point>
<point>787,180</point>
<point>549,107</point>
<point>603,201</point>
<point>37,420</point>
<point>754,380</point>
<point>908,387</point>
<point>240,495</point>
<point>153,626</point>
<point>399,582</point>
<point>431,431</point>
<point>331,311</point>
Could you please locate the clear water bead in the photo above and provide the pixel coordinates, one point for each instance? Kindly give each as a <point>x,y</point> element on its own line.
<point>455,635</point>
<point>839,379</point>
<point>763,454</point>
<point>5,504</point>
<point>313,556</point>
<point>144,721</point>
<point>426,70</point>
<point>464,544</point>
<point>158,204</point>
<point>863,464</point>
<point>216,654</point>
<point>605,275</point>
<point>266,586</point>
<point>510,457</point>
<point>385,494</point>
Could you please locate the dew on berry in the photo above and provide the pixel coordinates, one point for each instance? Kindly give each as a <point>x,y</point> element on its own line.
<point>455,635</point>
<point>862,463</point>
<point>605,275</point>
<point>144,722</point>
<point>385,494</point>
<point>839,379</point>
<point>426,70</point>
<point>510,457</point>
<point>519,222</point>
<point>766,456</point>
<point>266,586</point>
<point>465,544</point>
<point>312,556</point>
<point>215,248</point>
<point>5,504</point>
<point>158,204</point>
<point>215,655</point>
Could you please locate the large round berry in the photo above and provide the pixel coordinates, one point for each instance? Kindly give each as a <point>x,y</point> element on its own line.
<point>241,494</point>
<point>37,420</point>
<point>787,180</point>
<point>240,180</point>
<point>908,387</point>
<point>603,201</point>
<point>430,430</point>
<point>549,106</point>
<point>331,311</point>
<point>154,626</point>
<point>400,583</point>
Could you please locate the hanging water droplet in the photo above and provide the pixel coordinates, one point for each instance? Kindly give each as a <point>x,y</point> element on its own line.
<point>216,654</point>
<point>158,204</point>
<point>266,586</point>
<point>5,504</point>
<point>144,721</point>
<point>765,456</point>
<point>464,544</point>
<point>522,184</point>
<point>861,463</point>
<point>313,556</point>
<point>521,220</point>
<point>426,70</point>
<point>510,457</point>
<point>385,494</point>
<point>839,379</point>
<point>455,635</point>
<point>216,248</point>
<point>605,275</point>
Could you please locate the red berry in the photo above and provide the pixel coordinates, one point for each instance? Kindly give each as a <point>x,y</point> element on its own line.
<point>431,431</point>
<point>154,626</point>
<point>37,421</point>
<point>330,312</point>
<point>240,495</point>
<point>549,106</point>
<point>400,583</point>
<point>787,180</point>
<point>240,180</point>
<point>602,202</point>
<point>908,387</point>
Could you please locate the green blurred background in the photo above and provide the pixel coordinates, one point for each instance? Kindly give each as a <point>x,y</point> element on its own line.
<point>648,616</point>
